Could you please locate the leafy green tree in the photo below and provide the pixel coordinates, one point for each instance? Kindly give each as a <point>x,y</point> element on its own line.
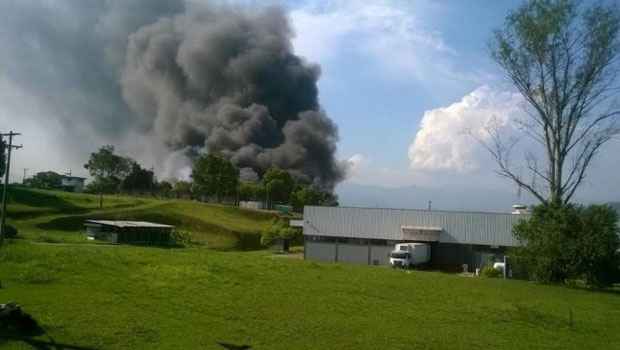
<point>108,169</point>
<point>561,243</point>
<point>309,195</point>
<point>251,191</point>
<point>138,180</point>
<point>279,185</point>
<point>279,229</point>
<point>164,188</point>
<point>214,175</point>
<point>182,189</point>
<point>45,180</point>
<point>562,57</point>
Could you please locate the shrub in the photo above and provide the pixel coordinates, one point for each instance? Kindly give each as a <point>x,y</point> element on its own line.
<point>490,272</point>
<point>279,229</point>
<point>10,231</point>
<point>570,242</point>
<point>181,238</point>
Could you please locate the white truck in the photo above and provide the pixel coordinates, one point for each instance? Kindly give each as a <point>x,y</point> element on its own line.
<point>406,255</point>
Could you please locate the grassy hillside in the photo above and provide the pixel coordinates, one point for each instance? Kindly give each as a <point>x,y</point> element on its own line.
<point>51,216</point>
<point>144,298</point>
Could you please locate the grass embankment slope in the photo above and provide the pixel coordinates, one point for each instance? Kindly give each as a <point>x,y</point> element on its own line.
<point>54,217</point>
<point>125,297</point>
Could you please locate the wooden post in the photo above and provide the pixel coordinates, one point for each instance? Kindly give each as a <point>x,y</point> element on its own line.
<point>10,147</point>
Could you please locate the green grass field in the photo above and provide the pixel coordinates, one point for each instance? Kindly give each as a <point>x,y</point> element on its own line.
<point>125,297</point>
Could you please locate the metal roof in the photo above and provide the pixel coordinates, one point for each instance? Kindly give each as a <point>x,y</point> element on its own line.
<point>375,223</point>
<point>124,224</point>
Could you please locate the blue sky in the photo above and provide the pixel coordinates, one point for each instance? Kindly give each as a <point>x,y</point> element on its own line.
<point>387,65</point>
<point>397,60</point>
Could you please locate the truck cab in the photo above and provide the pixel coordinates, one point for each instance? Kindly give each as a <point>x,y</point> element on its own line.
<point>406,255</point>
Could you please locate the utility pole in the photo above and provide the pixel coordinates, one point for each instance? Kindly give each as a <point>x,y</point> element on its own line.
<point>10,147</point>
<point>24,178</point>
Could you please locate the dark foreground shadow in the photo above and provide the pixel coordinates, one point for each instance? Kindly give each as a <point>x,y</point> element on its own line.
<point>41,344</point>
<point>19,326</point>
<point>233,346</point>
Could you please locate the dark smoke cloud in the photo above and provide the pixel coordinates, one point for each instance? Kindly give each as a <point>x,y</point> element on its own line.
<point>216,79</point>
<point>227,79</point>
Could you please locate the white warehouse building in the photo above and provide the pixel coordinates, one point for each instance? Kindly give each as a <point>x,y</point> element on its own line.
<point>368,235</point>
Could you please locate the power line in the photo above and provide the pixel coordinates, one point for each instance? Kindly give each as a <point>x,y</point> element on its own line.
<point>10,147</point>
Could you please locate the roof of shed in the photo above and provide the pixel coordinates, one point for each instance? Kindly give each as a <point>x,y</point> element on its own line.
<point>124,224</point>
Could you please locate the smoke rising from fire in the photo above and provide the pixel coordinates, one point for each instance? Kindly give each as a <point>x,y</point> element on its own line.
<point>187,78</point>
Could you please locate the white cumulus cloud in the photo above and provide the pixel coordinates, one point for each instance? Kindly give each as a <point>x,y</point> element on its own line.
<point>447,136</point>
<point>391,35</point>
<point>356,162</point>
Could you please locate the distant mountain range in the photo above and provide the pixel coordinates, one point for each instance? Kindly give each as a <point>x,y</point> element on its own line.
<point>444,198</point>
<point>413,197</point>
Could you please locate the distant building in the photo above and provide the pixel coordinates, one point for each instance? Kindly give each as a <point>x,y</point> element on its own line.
<point>72,183</point>
<point>368,235</point>
<point>129,232</point>
<point>256,205</point>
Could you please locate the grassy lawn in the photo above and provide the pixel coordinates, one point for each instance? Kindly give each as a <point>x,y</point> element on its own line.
<point>127,297</point>
<point>136,297</point>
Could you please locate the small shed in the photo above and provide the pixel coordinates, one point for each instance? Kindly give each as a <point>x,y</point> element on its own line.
<point>129,232</point>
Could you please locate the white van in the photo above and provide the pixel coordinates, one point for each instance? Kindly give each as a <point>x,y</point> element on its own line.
<point>406,255</point>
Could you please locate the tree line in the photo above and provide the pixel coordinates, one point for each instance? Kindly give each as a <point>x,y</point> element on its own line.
<point>213,178</point>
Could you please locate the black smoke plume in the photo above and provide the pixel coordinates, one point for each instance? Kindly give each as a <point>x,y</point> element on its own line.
<point>192,78</point>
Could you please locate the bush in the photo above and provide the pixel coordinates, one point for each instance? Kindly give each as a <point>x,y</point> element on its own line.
<point>279,229</point>
<point>570,242</point>
<point>490,272</point>
<point>10,231</point>
<point>181,238</point>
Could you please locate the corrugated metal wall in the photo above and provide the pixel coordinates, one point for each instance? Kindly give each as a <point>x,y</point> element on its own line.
<point>380,254</point>
<point>348,252</point>
<point>320,251</point>
<point>370,223</point>
<point>353,253</point>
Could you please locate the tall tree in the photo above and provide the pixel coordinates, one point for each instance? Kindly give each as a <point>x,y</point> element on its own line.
<point>108,169</point>
<point>138,179</point>
<point>182,189</point>
<point>251,191</point>
<point>309,195</point>
<point>164,188</point>
<point>279,185</point>
<point>214,175</point>
<point>562,58</point>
